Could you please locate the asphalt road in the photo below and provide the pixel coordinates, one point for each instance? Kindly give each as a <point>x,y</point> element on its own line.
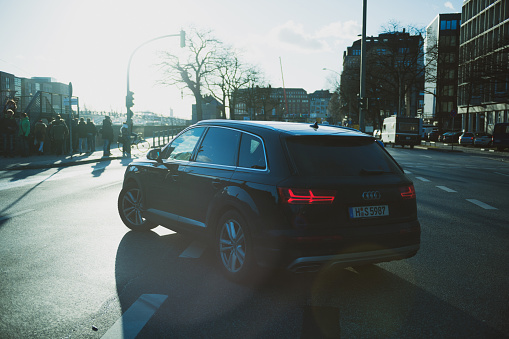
<point>69,268</point>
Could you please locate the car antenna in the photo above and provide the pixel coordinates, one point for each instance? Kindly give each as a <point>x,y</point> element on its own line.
<point>315,125</point>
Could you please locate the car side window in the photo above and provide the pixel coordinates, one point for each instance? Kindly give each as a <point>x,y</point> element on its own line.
<point>219,146</point>
<point>251,153</point>
<point>182,147</point>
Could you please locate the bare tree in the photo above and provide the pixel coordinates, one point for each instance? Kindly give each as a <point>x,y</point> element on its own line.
<point>190,71</point>
<point>231,75</point>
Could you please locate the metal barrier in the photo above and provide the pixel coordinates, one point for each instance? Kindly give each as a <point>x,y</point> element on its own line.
<point>161,138</point>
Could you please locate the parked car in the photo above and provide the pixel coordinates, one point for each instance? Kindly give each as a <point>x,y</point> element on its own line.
<point>466,139</point>
<point>276,194</point>
<point>451,137</point>
<point>483,139</point>
<point>433,135</point>
<point>501,136</point>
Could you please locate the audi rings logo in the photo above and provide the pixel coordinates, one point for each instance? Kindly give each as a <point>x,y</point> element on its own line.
<point>371,195</point>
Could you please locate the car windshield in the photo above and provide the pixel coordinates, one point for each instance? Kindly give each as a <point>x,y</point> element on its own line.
<point>339,156</point>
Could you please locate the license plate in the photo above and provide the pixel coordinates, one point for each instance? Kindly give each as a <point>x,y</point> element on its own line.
<point>369,211</point>
<point>408,138</point>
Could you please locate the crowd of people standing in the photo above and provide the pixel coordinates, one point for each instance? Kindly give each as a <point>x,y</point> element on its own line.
<point>51,135</point>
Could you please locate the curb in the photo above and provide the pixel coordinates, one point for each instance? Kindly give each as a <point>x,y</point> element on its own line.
<point>438,149</point>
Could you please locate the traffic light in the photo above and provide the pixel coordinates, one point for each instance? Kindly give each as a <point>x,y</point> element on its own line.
<point>182,38</point>
<point>129,99</point>
<point>362,103</point>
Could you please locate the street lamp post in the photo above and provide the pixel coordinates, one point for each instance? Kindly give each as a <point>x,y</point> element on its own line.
<point>362,90</point>
<point>129,96</point>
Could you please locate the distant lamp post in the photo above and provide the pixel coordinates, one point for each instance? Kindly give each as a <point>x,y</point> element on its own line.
<point>363,68</point>
<point>129,96</point>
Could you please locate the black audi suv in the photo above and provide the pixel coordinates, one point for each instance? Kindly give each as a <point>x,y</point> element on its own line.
<point>276,194</point>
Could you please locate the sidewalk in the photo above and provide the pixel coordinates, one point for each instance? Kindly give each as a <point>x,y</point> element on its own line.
<point>53,161</point>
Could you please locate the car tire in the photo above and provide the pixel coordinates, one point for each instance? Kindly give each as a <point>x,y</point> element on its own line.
<point>234,248</point>
<point>130,208</point>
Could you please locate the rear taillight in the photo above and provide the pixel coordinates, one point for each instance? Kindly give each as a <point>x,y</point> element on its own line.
<point>407,192</point>
<point>305,196</point>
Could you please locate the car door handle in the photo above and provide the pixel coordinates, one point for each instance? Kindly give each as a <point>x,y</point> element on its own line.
<point>216,183</point>
<point>171,176</point>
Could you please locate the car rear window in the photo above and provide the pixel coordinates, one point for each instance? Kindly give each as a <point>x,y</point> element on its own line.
<point>339,156</point>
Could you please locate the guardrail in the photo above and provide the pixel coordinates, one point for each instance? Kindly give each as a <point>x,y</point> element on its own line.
<point>161,138</point>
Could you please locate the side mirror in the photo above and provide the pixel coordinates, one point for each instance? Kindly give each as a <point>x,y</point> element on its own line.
<point>154,154</point>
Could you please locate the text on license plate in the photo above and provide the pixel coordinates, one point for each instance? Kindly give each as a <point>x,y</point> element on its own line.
<point>369,211</point>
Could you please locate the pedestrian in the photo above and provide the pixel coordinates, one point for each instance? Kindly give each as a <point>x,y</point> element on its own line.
<point>91,133</point>
<point>59,131</point>
<point>124,139</point>
<point>40,134</point>
<point>82,135</point>
<point>107,135</point>
<point>74,125</point>
<point>8,129</point>
<point>24,133</point>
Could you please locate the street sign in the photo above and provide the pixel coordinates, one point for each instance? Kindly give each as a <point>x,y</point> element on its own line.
<point>454,113</point>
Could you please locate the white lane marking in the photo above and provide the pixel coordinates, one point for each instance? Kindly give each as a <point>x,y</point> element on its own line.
<point>407,172</point>
<point>507,175</point>
<point>162,231</point>
<point>9,216</point>
<point>195,250</point>
<point>136,317</point>
<point>447,189</point>
<point>481,204</point>
<point>427,156</point>
<point>422,179</point>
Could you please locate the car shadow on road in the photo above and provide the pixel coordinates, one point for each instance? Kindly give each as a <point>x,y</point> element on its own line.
<point>363,302</point>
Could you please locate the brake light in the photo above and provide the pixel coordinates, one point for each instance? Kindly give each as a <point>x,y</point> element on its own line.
<point>407,192</point>
<point>305,196</point>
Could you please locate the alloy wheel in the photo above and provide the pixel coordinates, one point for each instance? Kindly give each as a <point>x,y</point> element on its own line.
<point>132,206</point>
<point>232,246</point>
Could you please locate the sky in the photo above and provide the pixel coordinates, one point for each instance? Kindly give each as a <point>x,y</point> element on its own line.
<point>89,42</point>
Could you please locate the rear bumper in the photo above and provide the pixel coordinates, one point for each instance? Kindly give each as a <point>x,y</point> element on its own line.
<point>308,264</point>
<point>349,247</point>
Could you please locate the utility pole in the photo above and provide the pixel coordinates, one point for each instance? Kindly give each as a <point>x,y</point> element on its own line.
<point>129,99</point>
<point>362,91</point>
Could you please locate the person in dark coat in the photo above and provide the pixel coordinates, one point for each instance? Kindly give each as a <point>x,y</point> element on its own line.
<point>8,129</point>
<point>91,133</point>
<point>107,135</point>
<point>40,135</point>
<point>59,131</point>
